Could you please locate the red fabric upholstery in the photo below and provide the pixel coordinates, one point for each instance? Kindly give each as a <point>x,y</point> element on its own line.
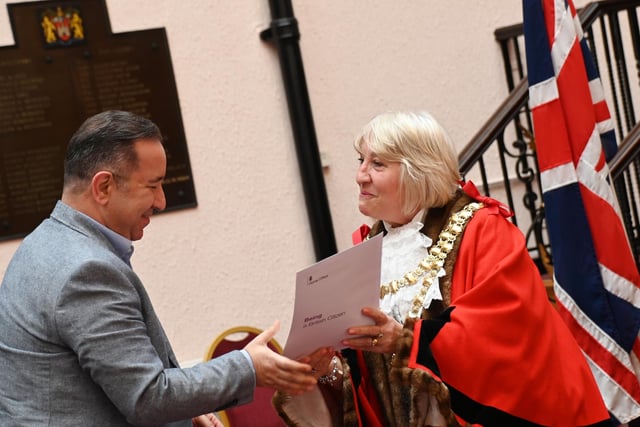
<point>259,412</point>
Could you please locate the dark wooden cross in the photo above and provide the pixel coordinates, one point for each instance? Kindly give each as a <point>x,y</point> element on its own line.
<point>65,66</point>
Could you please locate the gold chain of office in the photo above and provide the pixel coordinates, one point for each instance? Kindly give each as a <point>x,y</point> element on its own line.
<point>431,265</point>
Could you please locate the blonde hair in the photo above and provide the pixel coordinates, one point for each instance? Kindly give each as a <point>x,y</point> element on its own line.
<point>429,173</point>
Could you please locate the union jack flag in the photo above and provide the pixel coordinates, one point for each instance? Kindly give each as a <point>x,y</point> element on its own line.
<point>595,276</point>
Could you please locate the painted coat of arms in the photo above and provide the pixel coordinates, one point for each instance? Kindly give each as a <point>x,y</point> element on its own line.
<point>62,26</point>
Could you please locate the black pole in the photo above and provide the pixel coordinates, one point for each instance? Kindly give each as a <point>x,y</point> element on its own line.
<point>284,33</point>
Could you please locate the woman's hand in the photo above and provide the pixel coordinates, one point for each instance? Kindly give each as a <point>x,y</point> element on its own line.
<point>320,361</point>
<point>378,338</point>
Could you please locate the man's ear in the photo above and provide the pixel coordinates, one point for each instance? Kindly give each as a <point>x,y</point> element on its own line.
<point>102,184</point>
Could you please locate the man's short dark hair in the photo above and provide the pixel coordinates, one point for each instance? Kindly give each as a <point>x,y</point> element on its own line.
<point>105,142</point>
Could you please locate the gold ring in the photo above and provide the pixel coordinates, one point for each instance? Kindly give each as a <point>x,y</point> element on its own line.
<point>374,342</point>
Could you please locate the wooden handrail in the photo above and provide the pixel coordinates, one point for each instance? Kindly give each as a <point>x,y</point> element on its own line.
<point>628,151</point>
<point>494,126</point>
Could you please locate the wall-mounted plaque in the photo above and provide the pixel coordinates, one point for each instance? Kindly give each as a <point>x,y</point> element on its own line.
<point>65,66</point>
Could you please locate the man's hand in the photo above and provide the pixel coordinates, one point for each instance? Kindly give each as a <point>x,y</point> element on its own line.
<point>206,420</point>
<point>276,371</point>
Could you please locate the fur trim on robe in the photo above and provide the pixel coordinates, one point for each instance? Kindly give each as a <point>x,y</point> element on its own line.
<point>405,394</point>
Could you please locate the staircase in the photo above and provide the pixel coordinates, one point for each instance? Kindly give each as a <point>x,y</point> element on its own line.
<point>501,157</point>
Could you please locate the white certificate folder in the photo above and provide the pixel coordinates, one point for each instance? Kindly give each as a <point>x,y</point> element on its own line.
<point>330,296</point>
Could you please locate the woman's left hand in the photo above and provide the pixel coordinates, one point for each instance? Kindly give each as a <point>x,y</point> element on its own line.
<point>378,338</point>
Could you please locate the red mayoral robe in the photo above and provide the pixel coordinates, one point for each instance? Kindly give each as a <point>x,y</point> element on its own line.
<point>501,348</point>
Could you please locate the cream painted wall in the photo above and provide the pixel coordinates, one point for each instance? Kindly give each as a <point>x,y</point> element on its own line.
<point>232,260</point>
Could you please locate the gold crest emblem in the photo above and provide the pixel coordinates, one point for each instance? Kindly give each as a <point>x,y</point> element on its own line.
<point>62,26</point>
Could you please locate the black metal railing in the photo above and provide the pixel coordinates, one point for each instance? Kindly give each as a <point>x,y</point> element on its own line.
<point>625,172</point>
<point>501,156</point>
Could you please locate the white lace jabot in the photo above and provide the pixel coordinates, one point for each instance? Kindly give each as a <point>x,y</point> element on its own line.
<point>403,248</point>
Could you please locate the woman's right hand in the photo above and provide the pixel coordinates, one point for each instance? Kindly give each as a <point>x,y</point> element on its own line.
<point>320,361</point>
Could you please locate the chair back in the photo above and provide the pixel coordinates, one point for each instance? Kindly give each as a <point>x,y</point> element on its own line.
<point>259,412</point>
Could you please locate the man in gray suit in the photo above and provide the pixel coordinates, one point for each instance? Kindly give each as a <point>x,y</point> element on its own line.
<point>80,343</point>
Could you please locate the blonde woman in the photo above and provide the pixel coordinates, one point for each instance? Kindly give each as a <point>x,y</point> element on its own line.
<point>464,333</point>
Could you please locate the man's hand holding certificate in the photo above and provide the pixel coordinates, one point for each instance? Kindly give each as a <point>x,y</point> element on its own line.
<point>330,296</point>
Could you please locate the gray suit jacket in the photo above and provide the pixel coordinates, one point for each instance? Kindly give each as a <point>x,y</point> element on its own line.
<point>80,343</point>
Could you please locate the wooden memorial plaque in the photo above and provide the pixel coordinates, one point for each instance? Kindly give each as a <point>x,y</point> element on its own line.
<point>65,66</point>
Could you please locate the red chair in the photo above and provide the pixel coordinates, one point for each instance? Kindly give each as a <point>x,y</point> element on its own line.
<point>259,412</point>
